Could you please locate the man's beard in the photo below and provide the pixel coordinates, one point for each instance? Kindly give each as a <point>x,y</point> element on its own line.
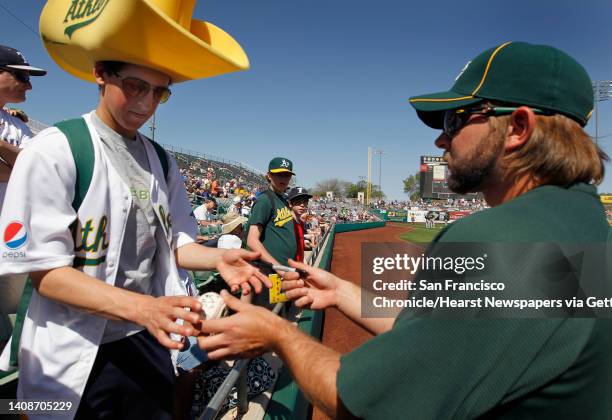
<point>469,173</point>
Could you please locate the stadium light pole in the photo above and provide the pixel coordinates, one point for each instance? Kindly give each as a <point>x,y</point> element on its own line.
<point>359,183</point>
<point>379,152</point>
<point>369,185</point>
<point>602,90</point>
<point>152,128</point>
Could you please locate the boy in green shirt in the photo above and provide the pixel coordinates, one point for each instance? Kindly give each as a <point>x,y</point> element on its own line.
<point>271,221</point>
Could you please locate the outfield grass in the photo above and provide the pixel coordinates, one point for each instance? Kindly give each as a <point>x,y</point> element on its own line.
<point>420,234</point>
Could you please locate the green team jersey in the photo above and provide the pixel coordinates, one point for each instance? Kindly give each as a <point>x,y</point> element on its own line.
<point>513,368</point>
<point>272,212</point>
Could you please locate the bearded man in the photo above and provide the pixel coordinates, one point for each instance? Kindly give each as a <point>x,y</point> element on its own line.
<point>513,130</point>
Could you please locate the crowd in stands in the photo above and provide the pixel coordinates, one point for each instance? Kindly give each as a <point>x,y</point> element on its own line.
<point>341,211</point>
<point>207,178</point>
<point>219,190</point>
<point>460,204</point>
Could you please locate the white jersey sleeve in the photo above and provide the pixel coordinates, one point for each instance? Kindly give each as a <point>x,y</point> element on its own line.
<point>35,220</point>
<point>13,131</point>
<point>184,226</point>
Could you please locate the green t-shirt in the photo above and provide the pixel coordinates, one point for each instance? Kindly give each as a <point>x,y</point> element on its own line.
<point>272,212</point>
<point>516,368</point>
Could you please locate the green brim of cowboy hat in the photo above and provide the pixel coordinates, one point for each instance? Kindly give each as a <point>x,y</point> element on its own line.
<point>430,108</point>
<point>138,32</point>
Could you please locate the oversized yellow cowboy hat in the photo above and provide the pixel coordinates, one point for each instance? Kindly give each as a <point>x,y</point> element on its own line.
<point>159,34</point>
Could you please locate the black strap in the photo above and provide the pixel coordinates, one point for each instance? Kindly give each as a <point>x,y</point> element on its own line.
<point>161,154</point>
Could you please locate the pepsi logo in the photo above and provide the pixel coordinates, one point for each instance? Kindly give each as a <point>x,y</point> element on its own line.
<point>15,235</point>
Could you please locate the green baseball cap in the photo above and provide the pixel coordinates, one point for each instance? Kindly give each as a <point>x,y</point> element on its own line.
<point>516,73</point>
<point>280,164</point>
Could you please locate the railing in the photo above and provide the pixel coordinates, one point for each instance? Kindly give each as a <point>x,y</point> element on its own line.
<point>238,371</point>
<point>218,159</point>
<point>36,126</point>
<point>315,252</point>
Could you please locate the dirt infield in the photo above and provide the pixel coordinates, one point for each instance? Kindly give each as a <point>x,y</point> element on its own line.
<point>340,333</point>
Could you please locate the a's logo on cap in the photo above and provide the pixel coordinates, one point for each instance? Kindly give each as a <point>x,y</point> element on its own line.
<point>285,164</point>
<point>463,70</point>
<point>15,235</point>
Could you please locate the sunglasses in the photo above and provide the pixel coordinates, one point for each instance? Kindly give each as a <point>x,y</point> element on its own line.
<point>300,202</point>
<point>138,88</point>
<point>456,119</point>
<point>20,75</point>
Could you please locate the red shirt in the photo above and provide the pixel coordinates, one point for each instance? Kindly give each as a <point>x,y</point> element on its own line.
<point>299,239</point>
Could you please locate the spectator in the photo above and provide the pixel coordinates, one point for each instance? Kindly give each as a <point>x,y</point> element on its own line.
<point>298,202</point>
<point>236,206</point>
<point>214,188</point>
<point>271,230</point>
<point>15,74</point>
<point>233,227</point>
<point>205,213</point>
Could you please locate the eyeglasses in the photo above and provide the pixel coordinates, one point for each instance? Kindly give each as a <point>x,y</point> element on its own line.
<point>20,75</point>
<point>455,119</point>
<point>138,88</point>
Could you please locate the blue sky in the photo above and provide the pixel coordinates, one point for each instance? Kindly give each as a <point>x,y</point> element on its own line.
<point>329,78</point>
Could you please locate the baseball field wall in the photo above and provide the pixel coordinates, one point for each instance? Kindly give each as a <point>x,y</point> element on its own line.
<point>349,227</point>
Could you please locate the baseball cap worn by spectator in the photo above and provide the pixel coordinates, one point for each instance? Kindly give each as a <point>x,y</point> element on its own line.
<point>11,58</point>
<point>280,164</point>
<point>296,192</point>
<point>515,73</point>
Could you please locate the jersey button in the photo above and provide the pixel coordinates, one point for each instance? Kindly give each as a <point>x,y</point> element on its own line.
<point>111,264</point>
<point>124,210</point>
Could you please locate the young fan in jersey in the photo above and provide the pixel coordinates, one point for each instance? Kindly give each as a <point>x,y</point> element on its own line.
<point>270,227</point>
<point>107,293</point>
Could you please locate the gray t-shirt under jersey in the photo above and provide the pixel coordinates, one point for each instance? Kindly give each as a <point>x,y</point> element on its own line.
<point>139,247</point>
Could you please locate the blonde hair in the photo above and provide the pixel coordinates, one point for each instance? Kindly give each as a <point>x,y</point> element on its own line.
<point>559,152</point>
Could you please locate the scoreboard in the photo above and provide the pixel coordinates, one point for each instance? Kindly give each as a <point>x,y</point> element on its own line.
<point>434,179</point>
